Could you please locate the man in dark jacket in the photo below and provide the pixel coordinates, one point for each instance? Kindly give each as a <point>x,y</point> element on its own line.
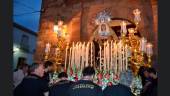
<point>32,85</point>
<point>121,89</point>
<point>154,84</point>
<point>61,87</point>
<point>85,86</point>
<point>48,70</point>
<point>118,90</point>
<point>151,88</point>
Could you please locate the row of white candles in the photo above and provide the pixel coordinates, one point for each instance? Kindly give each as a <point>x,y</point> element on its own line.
<point>79,55</point>
<point>113,56</point>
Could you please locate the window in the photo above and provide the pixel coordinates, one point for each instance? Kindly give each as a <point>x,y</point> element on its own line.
<point>24,45</point>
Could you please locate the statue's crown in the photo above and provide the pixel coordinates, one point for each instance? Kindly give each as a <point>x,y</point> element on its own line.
<point>103,17</point>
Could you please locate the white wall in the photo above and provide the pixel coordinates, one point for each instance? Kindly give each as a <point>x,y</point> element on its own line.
<point>17,35</point>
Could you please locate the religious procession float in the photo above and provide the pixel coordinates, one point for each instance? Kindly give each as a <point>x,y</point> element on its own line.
<point>112,55</point>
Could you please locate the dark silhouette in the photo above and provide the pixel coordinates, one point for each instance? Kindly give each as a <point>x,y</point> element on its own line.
<point>62,86</point>
<point>97,49</point>
<point>118,90</point>
<point>32,85</point>
<point>85,86</point>
<point>48,70</point>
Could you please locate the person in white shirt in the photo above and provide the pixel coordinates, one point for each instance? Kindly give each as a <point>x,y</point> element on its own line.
<point>19,74</point>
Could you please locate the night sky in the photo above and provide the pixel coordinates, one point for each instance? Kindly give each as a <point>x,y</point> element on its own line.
<point>26,13</point>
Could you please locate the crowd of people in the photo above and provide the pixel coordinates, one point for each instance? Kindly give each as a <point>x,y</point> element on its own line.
<point>34,81</point>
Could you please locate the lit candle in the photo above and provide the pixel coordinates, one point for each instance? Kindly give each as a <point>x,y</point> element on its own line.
<point>73,59</point>
<point>111,61</point>
<point>123,58</point>
<point>76,55</point>
<point>100,57</point>
<point>104,56</point>
<point>116,54</point>
<point>66,56</point>
<point>87,53</point>
<point>83,55</point>
<point>47,48</point>
<point>120,57</point>
<point>108,52</point>
<point>91,54</point>
<point>79,55</point>
<point>114,57</point>
<point>143,42</point>
<point>73,56</point>
<point>70,56</point>
<point>107,55</point>
<point>149,49</point>
<point>123,27</point>
<point>126,57</point>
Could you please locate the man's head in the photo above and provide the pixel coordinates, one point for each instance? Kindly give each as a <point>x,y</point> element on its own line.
<point>37,69</point>
<point>21,61</point>
<point>152,73</point>
<point>143,72</point>
<point>88,72</point>
<point>63,76</point>
<point>24,67</point>
<point>146,73</point>
<point>48,66</point>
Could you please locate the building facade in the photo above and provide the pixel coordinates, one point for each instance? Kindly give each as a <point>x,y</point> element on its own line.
<point>24,44</point>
